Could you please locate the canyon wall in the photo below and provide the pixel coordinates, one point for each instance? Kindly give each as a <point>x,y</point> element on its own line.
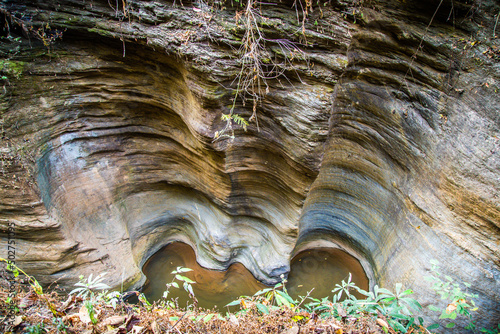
<point>378,136</point>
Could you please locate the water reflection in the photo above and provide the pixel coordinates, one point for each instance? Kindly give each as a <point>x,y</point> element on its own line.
<point>319,268</point>
<point>212,288</point>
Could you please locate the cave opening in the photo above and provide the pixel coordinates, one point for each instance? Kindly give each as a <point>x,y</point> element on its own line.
<point>317,269</point>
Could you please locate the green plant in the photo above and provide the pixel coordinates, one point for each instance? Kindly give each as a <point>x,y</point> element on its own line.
<point>460,302</point>
<point>396,307</point>
<point>110,298</point>
<point>186,283</point>
<point>266,300</point>
<point>15,270</point>
<point>145,302</point>
<point>9,302</point>
<point>89,305</point>
<point>493,330</point>
<point>230,119</point>
<point>36,329</point>
<point>60,325</point>
<point>87,286</point>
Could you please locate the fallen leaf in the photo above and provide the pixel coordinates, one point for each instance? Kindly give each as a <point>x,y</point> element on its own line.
<point>114,331</point>
<point>137,330</point>
<point>67,304</point>
<point>382,323</point>
<point>155,328</point>
<point>336,327</point>
<point>28,300</point>
<point>233,319</point>
<point>17,321</point>
<point>341,312</point>
<point>293,330</point>
<point>451,307</point>
<point>72,317</point>
<point>114,320</point>
<point>84,315</point>
<point>129,323</point>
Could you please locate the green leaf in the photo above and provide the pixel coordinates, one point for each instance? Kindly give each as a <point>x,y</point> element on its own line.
<point>399,316</point>
<point>144,300</point>
<point>174,284</point>
<point>184,279</point>
<point>262,308</point>
<point>398,326</point>
<point>234,303</point>
<point>433,326</point>
<point>385,291</point>
<point>76,290</point>
<point>388,300</point>
<point>434,262</point>
<point>281,301</point>
<point>407,292</point>
<point>188,288</point>
<point>101,286</point>
<point>434,308</point>
<point>450,325</point>
<point>286,297</point>
<point>412,303</point>
<point>258,293</point>
<point>208,317</point>
<point>398,288</point>
<point>183,270</point>
<point>366,293</point>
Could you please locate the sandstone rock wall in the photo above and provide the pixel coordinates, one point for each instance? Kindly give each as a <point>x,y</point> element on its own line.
<point>382,140</point>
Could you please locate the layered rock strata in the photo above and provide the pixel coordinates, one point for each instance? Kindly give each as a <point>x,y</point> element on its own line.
<point>381,139</point>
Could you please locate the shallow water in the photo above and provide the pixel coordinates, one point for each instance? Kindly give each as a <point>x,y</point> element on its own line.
<point>212,288</point>
<point>318,268</point>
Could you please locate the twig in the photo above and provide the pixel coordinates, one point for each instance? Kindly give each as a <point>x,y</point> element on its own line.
<point>173,326</point>
<point>496,22</point>
<point>252,81</point>
<point>308,293</point>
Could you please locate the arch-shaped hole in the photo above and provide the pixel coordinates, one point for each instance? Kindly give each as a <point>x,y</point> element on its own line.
<point>318,268</point>
<point>212,288</point>
<point>321,269</point>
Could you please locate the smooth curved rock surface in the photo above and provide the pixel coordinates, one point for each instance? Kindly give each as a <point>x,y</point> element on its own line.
<point>384,144</point>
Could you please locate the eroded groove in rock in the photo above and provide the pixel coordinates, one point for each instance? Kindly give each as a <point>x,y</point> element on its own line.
<point>383,143</point>
<point>384,189</point>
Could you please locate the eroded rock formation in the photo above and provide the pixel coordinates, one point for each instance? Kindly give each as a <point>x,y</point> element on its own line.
<point>382,140</point>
